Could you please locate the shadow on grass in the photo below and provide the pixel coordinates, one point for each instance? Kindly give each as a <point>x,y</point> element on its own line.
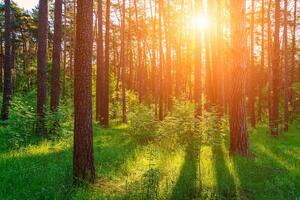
<point>225,184</point>
<point>38,175</point>
<point>188,185</point>
<point>112,148</point>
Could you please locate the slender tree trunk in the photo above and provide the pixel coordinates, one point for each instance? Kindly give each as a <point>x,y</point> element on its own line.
<point>161,58</point>
<point>83,159</point>
<point>276,73</point>
<point>286,70</point>
<point>100,64</point>
<point>238,122</point>
<point>270,107</point>
<point>7,90</point>
<point>55,73</point>
<point>261,77</point>
<point>1,65</point>
<point>252,83</point>
<point>293,63</point>
<point>198,60</point>
<point>104,111</point>
<point>65,51</point>
<point>123,66</point>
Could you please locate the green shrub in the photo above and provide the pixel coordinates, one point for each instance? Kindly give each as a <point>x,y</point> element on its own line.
<point>21,121</point>
<point>178,127</point>
<point>142,123</point>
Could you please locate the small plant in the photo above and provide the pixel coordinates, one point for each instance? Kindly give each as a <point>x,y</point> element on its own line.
<point>21,122</point>
<point>179,127</point>
<point>143,126</point>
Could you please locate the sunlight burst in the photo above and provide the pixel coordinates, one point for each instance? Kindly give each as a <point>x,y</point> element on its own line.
<point>201,21</point>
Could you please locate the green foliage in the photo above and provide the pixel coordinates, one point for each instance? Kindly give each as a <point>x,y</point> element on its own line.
<point>212,127</point>
<point>60,123</point>
<point>22,120</point>
<point>142,124</point>
<point>178,127</point>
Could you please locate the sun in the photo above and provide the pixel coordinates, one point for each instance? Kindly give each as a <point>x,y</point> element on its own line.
<point>201,21</point>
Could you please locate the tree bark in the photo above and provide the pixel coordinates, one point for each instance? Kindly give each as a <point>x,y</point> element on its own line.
<point>275,73</point>
<point>7,90</point>
<point>104,110</point>
<point>55,72</point>
<point>198,67</point>
<point>286,69</point>
<point>42,66</point>
<point>252,83</point>
<point>123,66</point>
<point>83,160</point>
<point>238,123</point>
<point>100,63</point>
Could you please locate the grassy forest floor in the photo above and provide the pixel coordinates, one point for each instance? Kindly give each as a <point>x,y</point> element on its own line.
<point>127,170</point>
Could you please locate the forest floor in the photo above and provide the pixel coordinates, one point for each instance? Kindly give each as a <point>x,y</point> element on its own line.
<point>127,170</point>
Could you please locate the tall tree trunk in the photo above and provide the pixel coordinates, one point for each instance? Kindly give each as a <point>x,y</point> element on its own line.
<point>286,69</point>
<point>270,107</point>
<point>198,60</point>
<point>252,83</point>
<point>100,64</point>
<point>161,61</point>
<point>168,70</point>
<point>238,122</point>
<point>262,61</point>
<point>104,111</point>
<point>7,90</point>
<point>65,51</point>
<point>275,73</point>
<point>123,66</point>
<point>42,66</point>
<point>55,72</point>
<point>293,63</point>
<point>1,64</point>
<point>83,160</point>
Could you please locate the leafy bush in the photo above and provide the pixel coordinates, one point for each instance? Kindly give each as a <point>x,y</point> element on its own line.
<point>60,123</point>
<point>178,127</point>
<point>142,123</point>
<point>21,122</point>
<point>212,128</point>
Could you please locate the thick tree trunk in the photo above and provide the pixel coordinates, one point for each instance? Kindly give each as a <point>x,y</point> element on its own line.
<point>83,160</point>
<point>42,66</point>
<point>7,90</point>
<point>238,122</point>
<point>55,72</point>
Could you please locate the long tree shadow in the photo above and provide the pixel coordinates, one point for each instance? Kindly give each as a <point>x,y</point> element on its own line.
<point>188,185</point>
<point>225,184</point>
<point>112,147</point>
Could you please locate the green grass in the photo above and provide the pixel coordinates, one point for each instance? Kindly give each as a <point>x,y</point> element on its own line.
<point>127,170</point>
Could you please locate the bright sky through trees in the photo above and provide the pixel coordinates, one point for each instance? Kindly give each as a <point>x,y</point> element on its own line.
<point>27,4</point>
